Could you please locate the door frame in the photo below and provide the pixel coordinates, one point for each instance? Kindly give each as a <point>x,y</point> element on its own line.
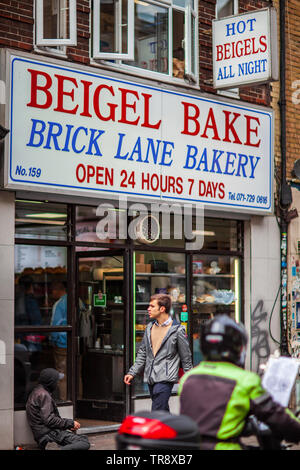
<point>127,320</point>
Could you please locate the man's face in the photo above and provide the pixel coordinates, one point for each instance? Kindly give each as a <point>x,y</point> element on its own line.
<point>155,310</point>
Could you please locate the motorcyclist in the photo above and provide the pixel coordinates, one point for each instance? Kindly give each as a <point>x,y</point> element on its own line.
<point>219,394</point>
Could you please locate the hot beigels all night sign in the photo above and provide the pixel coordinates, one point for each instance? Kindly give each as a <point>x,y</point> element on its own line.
<point>77,131</point>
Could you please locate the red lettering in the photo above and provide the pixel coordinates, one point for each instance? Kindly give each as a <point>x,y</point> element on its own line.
<point>219,52</point>
<point>188,118</point>
<point>263,43</point>
<point>213,125</point>
<point>248,46</point>
<point>86,98</point>
<point>227,51</point>
<point>43,88</point>
<point>61,93</point>
<point>146,122</point>
<point>221,191</point>
<point>254,51</point>
<point>80,169</point>
<point>112,107</point>
<point>229,127</point>
<point>250,130</point>
<point>125,105</point>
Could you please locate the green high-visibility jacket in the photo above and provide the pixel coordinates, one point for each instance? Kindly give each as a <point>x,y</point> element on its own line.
<point>219,396</point>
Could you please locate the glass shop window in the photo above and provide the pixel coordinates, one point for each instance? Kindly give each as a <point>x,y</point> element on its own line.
<point>40,220</point>
<point>40,281</point>
<point>32,353</point>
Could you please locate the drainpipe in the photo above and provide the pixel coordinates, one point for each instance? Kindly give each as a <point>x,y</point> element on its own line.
<point>285,190</point>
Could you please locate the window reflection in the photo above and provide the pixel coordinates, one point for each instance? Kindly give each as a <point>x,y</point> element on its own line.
<point>28,364</point>
<point>151,37</point>
<point>37,270</point>
<point>94,228</point>
<point>40,220</point>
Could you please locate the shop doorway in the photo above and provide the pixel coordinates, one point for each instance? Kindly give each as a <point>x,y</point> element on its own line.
<point>102,310</point>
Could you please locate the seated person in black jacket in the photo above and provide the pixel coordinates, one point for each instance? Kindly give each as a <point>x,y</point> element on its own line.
<point>45,420</point>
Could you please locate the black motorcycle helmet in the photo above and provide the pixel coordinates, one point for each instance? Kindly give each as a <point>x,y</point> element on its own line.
<point>222,339</point>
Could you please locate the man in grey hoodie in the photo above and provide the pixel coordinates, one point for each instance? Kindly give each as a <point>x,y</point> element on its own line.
<point>163,348</point>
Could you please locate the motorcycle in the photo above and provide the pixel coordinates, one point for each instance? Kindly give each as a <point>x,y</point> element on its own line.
<point>160,430</point>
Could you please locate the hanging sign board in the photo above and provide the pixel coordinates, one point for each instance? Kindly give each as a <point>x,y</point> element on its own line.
<point>245,49</point>
<point>76,132</point>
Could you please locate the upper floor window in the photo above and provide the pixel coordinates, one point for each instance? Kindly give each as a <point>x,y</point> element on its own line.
<point>226,8</point>
<point>151,35</point>
<point>56,22</point>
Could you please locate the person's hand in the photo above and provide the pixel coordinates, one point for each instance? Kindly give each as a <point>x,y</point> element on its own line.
<point>128,378</point>
<point>76,426</point>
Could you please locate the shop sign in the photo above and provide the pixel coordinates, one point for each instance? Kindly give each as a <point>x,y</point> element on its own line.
<point>245,49</point>
<point>99,301</point>
<point>76,132</point>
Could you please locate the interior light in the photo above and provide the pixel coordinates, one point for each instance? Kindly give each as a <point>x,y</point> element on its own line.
<point>204,232</point>
<point>47,215</point>
<point>237,288</point>
<point>39,221</point>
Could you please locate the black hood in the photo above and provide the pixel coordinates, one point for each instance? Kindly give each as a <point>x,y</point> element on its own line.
<point>49,379</point>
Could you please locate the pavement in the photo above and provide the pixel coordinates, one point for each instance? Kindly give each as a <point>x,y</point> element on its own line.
<point>106,442</point>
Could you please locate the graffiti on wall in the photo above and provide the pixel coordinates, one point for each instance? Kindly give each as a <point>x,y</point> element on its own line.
<point>259,335</point>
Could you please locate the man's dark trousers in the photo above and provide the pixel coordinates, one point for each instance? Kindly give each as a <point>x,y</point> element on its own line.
<point>160,394</point>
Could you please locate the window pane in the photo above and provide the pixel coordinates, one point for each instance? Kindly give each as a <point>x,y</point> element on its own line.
<point>151,37</point>
<point>225,8</point>
<point>30,358</point>
<point>216,290</point>
<point>178,41</point>
<point>156,273</point>
<point>56,19</point>
<point>220,234</point>
<point>39,220</point>
<point>40,281</point>
<point>113,39</point>
<point>91,227</point>
<point>164,228</point>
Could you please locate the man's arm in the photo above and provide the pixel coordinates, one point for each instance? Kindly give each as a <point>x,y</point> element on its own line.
<point>50,419</point>
<point>184,349</point>
<point>139,364</point>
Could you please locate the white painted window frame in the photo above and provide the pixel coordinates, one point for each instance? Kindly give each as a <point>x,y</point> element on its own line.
<point>97,54</point>
<point>39,20</point>
<point>189,12</point>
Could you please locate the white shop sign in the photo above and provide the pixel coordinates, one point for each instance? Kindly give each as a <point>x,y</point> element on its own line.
<point>73,131</point>
<point>245,49</point>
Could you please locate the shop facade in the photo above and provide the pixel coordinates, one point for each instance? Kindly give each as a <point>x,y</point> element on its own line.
<point>116,187</point>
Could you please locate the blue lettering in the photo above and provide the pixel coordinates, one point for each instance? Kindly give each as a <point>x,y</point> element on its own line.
<point>167,152</point>
<point>67,140</point>
<point>94,143</point>
<point>243,161</point>
<point>118,154</point>
<point>53,135</point>
<point>203,160</point>
<point>230,162</point>
<point>153,150</point>
<point>138,150</point>
<point>38,132</point>
<point>191,154</point>
<point>215,161</point>
<point>75,135</point>
<point>253,166</point>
